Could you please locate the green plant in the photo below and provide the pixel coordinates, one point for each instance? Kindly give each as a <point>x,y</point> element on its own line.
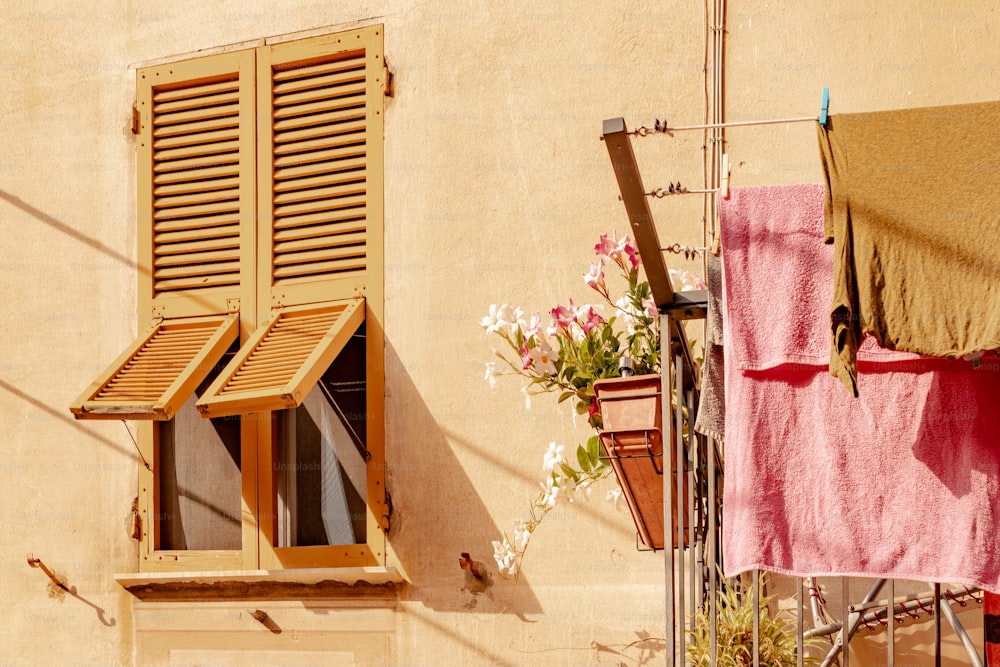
<point>579,347</point>
<point>734,632</point>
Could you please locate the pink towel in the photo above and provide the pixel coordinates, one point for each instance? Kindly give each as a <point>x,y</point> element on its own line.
<point>773,248</point>
<point>903,482</point>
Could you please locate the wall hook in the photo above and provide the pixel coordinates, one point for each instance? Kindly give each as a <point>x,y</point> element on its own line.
<point>37,562</point>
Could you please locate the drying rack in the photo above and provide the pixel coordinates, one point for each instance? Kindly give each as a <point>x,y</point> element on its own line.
<point>691,572</point>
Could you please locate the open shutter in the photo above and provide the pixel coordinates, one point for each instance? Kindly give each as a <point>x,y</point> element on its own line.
<point>159,371</point>
<point>197,174</point>
<point>283,359</point>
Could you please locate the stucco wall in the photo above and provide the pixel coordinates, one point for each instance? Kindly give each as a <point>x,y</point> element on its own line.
<point>496,189</point>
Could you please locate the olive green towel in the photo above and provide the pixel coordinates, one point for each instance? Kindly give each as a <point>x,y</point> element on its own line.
<point>913,211</point>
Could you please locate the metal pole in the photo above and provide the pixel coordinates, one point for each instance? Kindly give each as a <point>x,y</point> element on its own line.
<point>937,625</point>
<point>755,598</point>
<point>712,559</point>
<point>679,476</point>
<point>668,552</point>
<point>963,636</point>
<point>845,629</point>
<point>890,659</point>
<point>800,612</point>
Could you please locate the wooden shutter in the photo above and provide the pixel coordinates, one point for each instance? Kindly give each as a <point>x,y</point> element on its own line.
<point>320,166</point>
<point>283,359</point>
<point>197,174</point>
<point>159,371</point>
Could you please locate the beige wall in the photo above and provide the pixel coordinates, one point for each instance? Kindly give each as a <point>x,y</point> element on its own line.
<point>496,189</point>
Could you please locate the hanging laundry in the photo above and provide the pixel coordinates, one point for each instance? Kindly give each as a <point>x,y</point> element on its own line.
<point>711,419</point>
<point>902,482</point>
<point>913,210</point>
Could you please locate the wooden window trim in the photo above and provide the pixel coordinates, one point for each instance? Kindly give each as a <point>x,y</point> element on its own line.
<point>256,294</point>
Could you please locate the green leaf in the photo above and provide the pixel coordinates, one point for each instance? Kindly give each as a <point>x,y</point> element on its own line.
<point>594,448</point>
<point>583,458</point>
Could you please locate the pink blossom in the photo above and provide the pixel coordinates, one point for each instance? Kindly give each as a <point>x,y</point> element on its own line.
<point>589,319</point>
<point>618,250</point>
<point>563,317</point>
<point>631,251</point>
<point>526,359</point>
<point>650,307</point>
<point>607,246</point>
<point>595,278</point>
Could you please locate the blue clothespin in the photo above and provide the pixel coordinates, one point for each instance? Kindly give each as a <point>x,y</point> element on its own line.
<point>824,110</point>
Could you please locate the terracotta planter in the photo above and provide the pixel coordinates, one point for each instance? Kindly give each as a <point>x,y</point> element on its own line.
<point>633,438</point>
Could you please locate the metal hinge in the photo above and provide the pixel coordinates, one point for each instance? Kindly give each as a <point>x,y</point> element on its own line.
<point>135,521</point>
<point>386,80</point>
<point>135,120</point>
<point>386,521</point>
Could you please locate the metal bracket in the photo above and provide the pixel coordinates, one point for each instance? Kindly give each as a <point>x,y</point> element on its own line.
<point>386,521</point>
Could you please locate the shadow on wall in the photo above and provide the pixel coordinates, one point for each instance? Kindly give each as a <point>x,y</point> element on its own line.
<point>439,514</point>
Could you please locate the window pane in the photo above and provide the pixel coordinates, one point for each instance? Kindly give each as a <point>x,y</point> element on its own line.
<point>321,471</point>
<point>200,480</point>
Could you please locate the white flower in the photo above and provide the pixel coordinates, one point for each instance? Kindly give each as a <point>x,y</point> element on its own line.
<point>685,281</point>
<point>552,489</point>
<point>553,457</point>
<point>505,557</point>
<point>543,358</point>
<point>504,317</point>
<point>521,537</point>
<point>491,374</point>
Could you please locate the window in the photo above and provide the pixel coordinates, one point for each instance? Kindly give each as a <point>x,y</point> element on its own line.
<point>258,382</point>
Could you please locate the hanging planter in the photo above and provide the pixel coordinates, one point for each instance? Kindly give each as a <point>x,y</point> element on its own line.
<point>631,409</point>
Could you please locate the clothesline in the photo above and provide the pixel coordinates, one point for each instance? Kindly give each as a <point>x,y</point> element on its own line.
<point>643,131</point>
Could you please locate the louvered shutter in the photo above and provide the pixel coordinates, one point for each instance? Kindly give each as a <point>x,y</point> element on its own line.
<point>159,371</point>
<point>320,163</point>
<point>197,175</point>
<point>195,202</point>
<point>283,359</point>
<point>319,234</point>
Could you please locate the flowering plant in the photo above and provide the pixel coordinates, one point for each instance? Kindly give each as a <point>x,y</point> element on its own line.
<point>581,345</point>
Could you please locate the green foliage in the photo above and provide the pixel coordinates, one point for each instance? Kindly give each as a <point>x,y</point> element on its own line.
<point>734,638</point>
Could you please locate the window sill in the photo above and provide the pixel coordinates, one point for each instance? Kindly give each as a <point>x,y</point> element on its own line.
<point>352,583</point>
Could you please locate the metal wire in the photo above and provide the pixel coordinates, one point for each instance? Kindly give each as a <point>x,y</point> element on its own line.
<point>661,127</point>
<point>689,252</point>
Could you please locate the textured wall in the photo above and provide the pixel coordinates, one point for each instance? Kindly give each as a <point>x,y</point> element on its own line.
<point>496,189</point>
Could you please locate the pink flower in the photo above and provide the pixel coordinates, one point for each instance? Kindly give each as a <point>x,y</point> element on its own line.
<point>618,250</point>
<point>631,251</point>
<point>595,278</point>
<point>589,319</point>
<point>607,246</point>
<point>563,317</point>
<point>649,306</point>
<point>526,359</point>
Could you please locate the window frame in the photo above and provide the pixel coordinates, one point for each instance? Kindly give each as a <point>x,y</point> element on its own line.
<point>256,299</point>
